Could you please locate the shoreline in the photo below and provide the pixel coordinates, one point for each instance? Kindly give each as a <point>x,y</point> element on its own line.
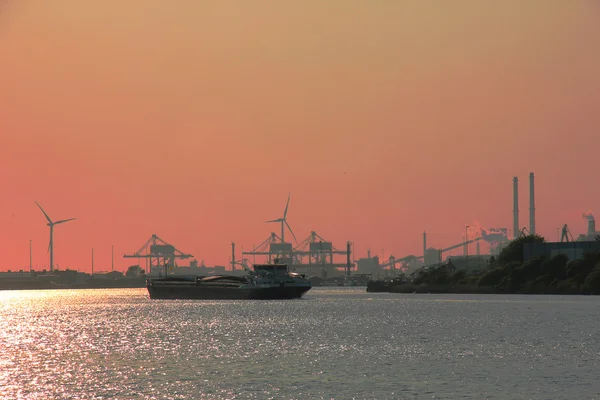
<point>470,289</point>
<point>52,286</point>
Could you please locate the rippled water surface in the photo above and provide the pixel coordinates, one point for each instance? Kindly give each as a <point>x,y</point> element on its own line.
<point>337,343</point>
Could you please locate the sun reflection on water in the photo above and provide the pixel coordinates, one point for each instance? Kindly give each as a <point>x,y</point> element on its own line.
<point>116,343</point>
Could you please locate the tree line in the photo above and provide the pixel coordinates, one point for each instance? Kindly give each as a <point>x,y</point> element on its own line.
<point>510,273</point>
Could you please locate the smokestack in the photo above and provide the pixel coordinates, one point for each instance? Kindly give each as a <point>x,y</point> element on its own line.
<point>233,256</point>
<point>348,263</point>
<point>591,232</point>
<point>591,226</point>
<point>516,228</point>
<point>531,204</point>
<point>424,245</point>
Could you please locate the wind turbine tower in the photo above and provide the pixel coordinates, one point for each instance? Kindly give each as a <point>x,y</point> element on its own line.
<point>284,222</point>
<point>51,225</point>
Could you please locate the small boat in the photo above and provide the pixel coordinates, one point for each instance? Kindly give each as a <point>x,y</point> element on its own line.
<point>263,282</point>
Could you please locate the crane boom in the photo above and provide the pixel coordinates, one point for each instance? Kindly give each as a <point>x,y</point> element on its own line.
<point>461,244</point>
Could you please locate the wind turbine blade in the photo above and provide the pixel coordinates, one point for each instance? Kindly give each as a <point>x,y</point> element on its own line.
<point>64,220</point>
<point>46,215</point>
<point>291,231</point>
<point>286,207</point>
<point>274,220</point>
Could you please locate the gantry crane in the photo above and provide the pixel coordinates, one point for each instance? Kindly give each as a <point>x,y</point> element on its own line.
<point>158,253</point>
<point>320,253</point>
<point>317,249</point>
<point>274,248</point>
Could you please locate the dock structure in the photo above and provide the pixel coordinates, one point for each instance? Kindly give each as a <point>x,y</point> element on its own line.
<point>158,254</point>
<point>314,256</point>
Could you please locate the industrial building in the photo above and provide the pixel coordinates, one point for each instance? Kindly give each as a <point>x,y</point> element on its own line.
<point>195,269</point>
<point>591,234</point>
<point>369,265</point>
<point>573,250</point>
<point>471,264</point>
<point>495,237</point>
<point>314,256</point>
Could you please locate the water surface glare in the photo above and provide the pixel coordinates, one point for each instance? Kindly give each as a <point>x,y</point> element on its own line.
<point>336,343</point>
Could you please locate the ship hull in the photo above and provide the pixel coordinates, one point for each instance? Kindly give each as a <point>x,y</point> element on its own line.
<point>205,292</point>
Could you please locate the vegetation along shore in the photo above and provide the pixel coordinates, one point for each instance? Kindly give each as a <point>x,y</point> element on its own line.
<point>509,273</point>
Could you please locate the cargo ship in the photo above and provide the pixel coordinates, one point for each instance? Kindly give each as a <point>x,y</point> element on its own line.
<point>263,282</point>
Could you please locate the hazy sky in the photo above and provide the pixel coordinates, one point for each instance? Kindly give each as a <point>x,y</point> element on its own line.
<point>382,118</point>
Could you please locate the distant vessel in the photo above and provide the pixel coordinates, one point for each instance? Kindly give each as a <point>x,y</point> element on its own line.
<point>264,282</point>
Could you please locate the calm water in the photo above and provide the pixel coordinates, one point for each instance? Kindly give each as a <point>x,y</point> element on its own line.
<point>335,343</point>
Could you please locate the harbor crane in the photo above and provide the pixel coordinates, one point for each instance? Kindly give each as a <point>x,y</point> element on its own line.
<point>158,253</point>
<point>319,252</point>
<point>404,261</point>
<point>317,249</point>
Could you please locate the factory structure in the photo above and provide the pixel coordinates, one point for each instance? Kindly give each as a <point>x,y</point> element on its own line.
<point>314,256</point>
<point>497,239</point>
<point>573,248</point>
<point>157,256</point>
<point>318,257</point>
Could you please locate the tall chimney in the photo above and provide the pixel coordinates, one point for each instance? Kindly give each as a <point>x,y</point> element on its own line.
<point>348,259</point>
<point>531,204</point>
<point>233,256</point>
<point>516,228</point>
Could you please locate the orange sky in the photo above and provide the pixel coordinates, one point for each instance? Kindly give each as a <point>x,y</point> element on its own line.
<point>383,118</point>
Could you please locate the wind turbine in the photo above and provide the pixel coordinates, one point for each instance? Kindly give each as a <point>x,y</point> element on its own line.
<point>283,222</point>
<point>51,225</point>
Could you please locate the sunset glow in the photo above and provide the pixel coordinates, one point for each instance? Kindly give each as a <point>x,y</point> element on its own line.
<point>383,119</point>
